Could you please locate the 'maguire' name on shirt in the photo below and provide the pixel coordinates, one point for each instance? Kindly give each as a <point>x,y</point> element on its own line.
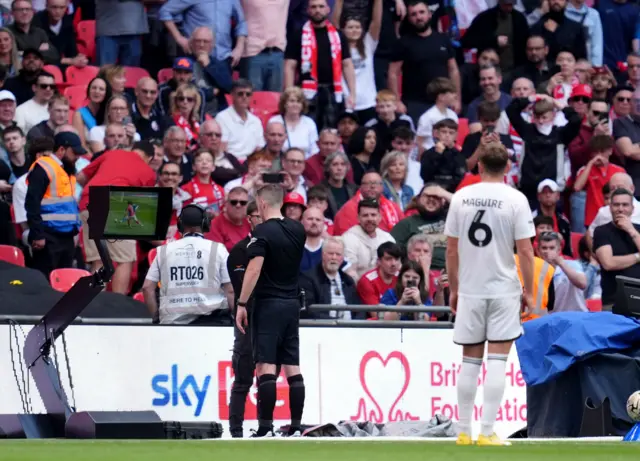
<point>482,202</point>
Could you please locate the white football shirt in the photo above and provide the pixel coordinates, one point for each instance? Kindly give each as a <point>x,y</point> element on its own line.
<point>487,219</point>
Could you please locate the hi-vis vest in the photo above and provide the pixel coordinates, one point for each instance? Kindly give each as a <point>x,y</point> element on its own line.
<point>189,280</point>
<point>58,208</point>
<point>542,278</point>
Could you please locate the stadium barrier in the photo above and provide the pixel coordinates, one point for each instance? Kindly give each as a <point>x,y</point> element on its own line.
<point>184,373</point>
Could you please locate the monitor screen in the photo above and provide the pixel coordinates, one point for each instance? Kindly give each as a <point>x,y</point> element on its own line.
<point>132,213</point>
<point>627,300</point>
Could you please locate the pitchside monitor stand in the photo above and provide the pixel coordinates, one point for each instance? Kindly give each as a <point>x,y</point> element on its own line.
<point>61,419</point>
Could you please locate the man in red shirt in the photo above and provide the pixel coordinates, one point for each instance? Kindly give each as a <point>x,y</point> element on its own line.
<point>370,188</point>
<point>231,225</point>
<point>201,188</point>
<point>116,168</point>
<point>328,143</point>
<point>374,283</point>
<point>597,172</point>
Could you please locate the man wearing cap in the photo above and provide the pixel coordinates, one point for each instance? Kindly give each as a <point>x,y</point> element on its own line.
<point>194,283</point>
<point>149,122</point>
<point>21,85</point>
<point>548,196</point>
<point>182,73</point>
<point>28,36</point>
<point>52,210</point>
<point>116,168</point>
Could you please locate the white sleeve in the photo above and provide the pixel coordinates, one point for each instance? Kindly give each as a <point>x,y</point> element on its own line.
<point>20,119</point>
<point>19,195</point>
<point>153,273</point>
<point>313,138</point>
<point>370,44</point>
<point>223,127</point>
<point>425,129</point>
<point>523,220</point>
<point>96,134</point>
<point>597,221</point>
<point>222,257</point>
<point>451,227</point>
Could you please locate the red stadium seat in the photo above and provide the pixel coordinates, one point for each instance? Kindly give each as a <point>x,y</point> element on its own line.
<point>463,130</point>
<point>152,255</point>
<point>265,101</point>
<point>64,279</point>
<point>16,227</point>
<point>164,75</point>
<point>55,71</point>
<point>139,297</point>
<point>80,75</point>
<point>77,96</point>
<point>86,38</point>
<point>133,74</point>
<point>11,254</point>
<point>575,242</point>
<point>594,305</point>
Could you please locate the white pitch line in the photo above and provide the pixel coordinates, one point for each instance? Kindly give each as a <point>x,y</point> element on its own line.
<point>420,439</point>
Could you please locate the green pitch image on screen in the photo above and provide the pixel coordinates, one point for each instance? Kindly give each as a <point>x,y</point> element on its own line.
<point>132,213</point>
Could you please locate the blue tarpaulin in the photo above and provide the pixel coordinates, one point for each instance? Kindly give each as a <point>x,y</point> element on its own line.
<point>553,343</point>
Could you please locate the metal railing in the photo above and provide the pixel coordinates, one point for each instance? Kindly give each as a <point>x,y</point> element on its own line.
<point>322,323</point>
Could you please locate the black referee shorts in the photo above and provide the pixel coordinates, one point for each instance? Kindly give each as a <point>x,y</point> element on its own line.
<point>274,331</point>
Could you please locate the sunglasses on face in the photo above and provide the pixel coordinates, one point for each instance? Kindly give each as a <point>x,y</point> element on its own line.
<point>581,99</point>
<point>598,113</point>
<point>238,202</point>
<point>186,98</point>
<point>623,99</point>
<point>46,86</point>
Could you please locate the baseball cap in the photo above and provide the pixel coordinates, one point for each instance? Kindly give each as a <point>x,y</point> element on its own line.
<point>183,64</point>
<point>7,95</point>
<point>550,183</point>
<point>68,139</point>
<point>34,51</point>
<point>582,89</point>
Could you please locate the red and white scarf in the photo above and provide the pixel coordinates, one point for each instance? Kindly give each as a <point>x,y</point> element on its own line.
<point>190,129</point>
<point>309,60</point>
<point>388,211</point>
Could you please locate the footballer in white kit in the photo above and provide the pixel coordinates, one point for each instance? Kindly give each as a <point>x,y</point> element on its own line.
<point>485,223</point>
<point>487,219</point>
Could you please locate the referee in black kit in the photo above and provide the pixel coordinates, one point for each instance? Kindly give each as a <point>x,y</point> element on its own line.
<point>275,252</point>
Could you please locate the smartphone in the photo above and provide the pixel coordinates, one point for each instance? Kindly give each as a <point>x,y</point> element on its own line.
<point>490,129</point>
<point>411,284</point>
<point>604,117</point>
<point>272,178</point>
<point>126,120</point>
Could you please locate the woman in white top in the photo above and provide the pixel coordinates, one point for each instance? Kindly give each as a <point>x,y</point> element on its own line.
<point>363,47</point>
<point>300,131</point>
<point>117,112</point>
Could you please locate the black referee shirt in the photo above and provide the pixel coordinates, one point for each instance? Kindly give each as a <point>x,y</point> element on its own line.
<point>237,265</point>
<point>281,242</point>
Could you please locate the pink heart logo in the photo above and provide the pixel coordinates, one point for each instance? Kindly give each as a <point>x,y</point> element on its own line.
<point>376,415</point>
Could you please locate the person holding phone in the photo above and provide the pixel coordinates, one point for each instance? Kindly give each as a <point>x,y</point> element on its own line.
<point>410,290</point>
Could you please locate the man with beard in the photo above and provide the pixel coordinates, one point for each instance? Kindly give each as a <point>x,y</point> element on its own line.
<point>22,84</point>
<point>560,32</point>
<point>429,220</point>
<point>422,56</point>
<point>538,67</point>
<point>52,211</point>
<point>321,70</point>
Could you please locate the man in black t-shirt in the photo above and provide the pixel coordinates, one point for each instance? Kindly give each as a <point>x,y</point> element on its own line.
<point>321,68</point>
<point>422,55</point>
<point>275,253</point>
<point>617,246</point>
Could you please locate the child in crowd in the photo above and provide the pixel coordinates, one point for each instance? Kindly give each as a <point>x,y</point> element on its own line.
<point>387,118</point>
<point>602,80</point>
<point>444,163</point>
<point>596,174</point>
<point>443,92</point>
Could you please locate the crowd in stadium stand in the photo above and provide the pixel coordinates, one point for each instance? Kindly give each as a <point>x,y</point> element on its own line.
<point>372,112</point>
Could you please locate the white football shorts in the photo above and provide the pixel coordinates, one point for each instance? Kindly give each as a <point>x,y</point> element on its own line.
<point>480,319</point>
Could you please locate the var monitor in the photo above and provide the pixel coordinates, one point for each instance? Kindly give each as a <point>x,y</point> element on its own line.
<point>132,213</point>
<point>627,297</point>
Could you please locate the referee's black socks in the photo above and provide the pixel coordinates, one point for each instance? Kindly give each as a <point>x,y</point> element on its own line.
<point>266,402</point>
<point>296,401</point>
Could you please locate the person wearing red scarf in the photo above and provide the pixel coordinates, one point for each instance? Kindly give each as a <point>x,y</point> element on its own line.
<point>370,188</point>
<point>321,72</point>
<point>185,110</point>
<point>203,190</point>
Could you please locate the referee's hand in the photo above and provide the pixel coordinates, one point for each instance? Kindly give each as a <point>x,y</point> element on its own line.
<point>241,318</point>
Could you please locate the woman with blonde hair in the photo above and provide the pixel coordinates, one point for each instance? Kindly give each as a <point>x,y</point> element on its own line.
<point>301,131</point>
<point>9,56</point>
<point>185,105</point>
<point>115,76</point>
<point>393,170</point>
<point>117,113</point>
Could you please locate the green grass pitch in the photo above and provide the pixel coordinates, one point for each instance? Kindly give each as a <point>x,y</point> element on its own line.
<point>307,450</point>
<point>146,214</point>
